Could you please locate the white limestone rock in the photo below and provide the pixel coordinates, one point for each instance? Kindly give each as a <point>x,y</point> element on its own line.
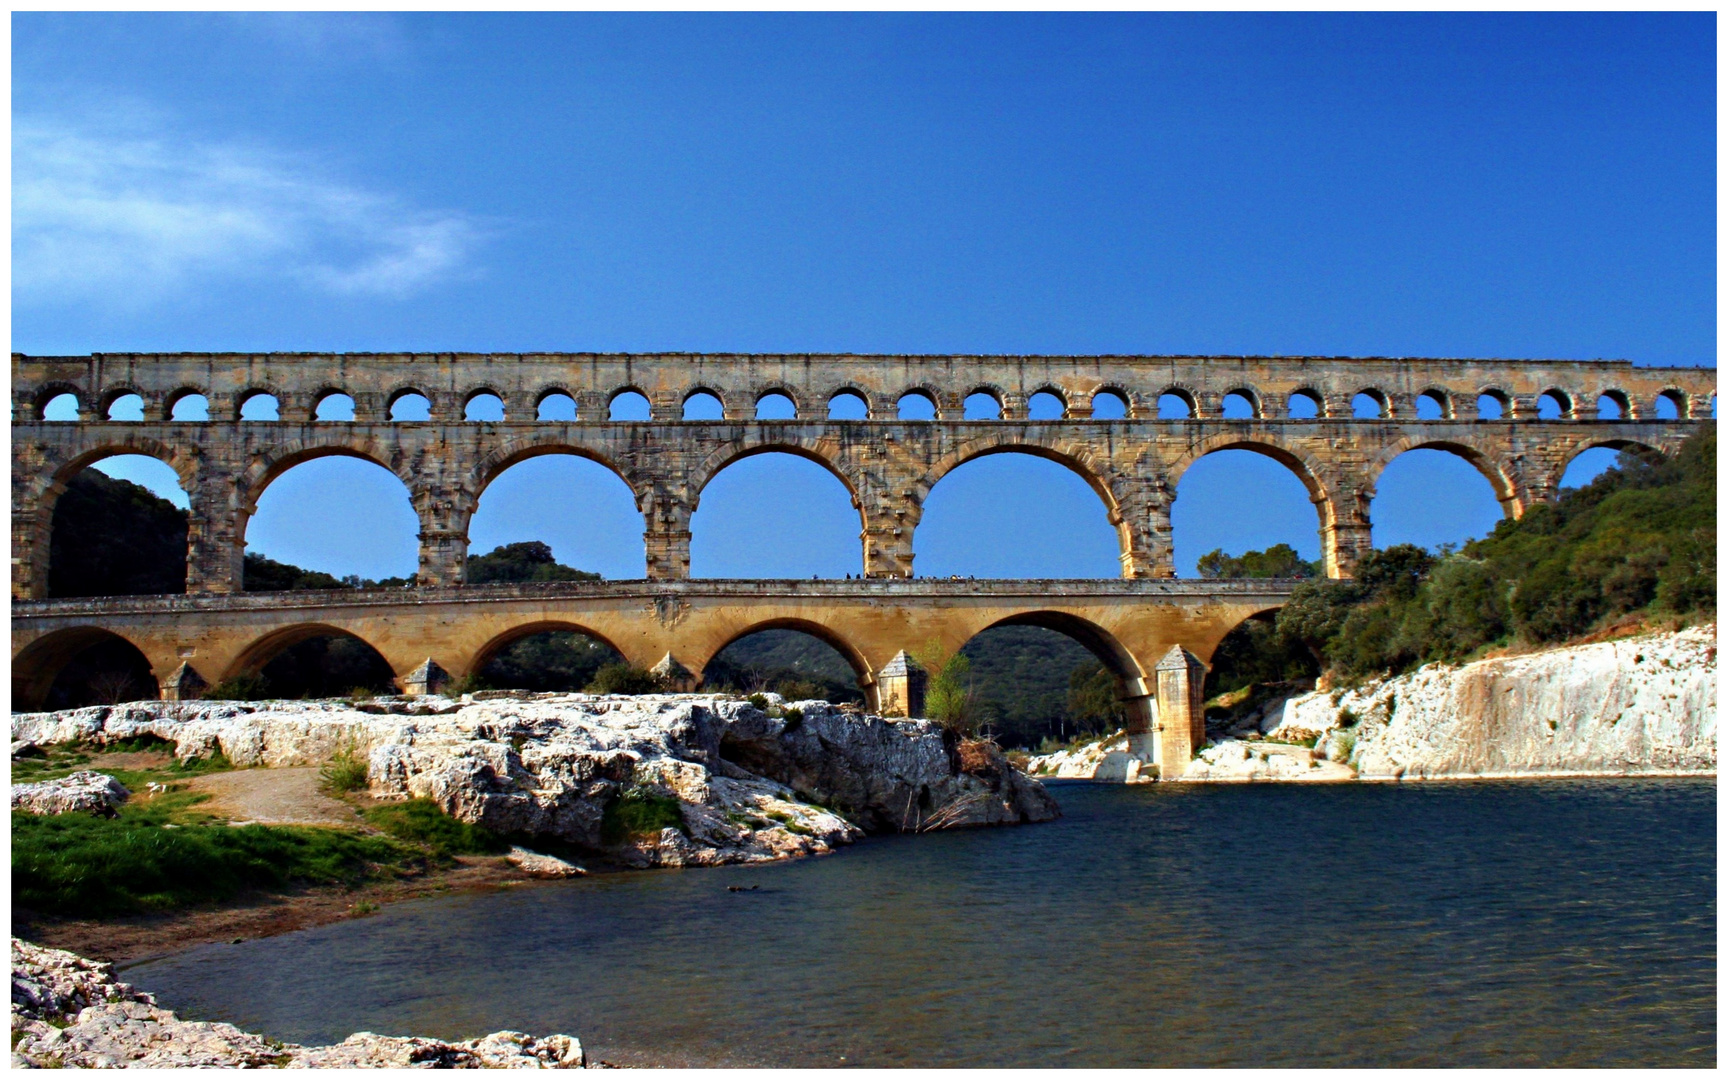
<point>535,864</point>
<point>1236,761</point>
<point>70,1012</point>
<point>80,793</point>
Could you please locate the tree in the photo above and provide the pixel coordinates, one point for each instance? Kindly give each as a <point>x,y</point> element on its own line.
<point>529,560</point>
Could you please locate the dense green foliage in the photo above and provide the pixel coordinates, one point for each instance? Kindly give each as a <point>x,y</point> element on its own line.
<point>78,865</point>
<point>639,812</point>
<point>115,538</point>
<point>420,821</point>
<point>530,560</point>
<point>1640,540</point>
<point>624,679</point>
<point>1277,561</point>
<point>553,660</point>
<point>794,665</point>
<point>948,696</point>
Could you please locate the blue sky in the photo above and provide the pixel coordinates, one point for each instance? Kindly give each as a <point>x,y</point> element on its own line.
<point>1465,185</point>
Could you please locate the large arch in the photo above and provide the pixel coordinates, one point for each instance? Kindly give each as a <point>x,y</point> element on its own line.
<point>1133,683</point>
<point>1062,527</point>
<point>505,638</point>
<point>771,510</point>
<point>261,650</point>
<point>269,467</point>
<point>38,664</point>
<point>828,635</point>
<point>495,465</point>
<point>1307,469</point>
<point>1630,446</point>
<point>1510,494</point>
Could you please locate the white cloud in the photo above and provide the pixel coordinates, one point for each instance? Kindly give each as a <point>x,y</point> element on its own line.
<point>133,218</point>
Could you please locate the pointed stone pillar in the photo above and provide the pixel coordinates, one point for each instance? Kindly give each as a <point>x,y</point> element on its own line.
<point>675,676</point>
<point>1181,718</point>
<point>900,686</point>
<point>425,680</point>
<point>184,685</point>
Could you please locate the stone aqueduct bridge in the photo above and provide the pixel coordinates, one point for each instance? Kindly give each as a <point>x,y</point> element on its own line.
<point>889,466</point>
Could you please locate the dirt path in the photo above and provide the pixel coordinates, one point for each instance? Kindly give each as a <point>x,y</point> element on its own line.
<point>273,797</point>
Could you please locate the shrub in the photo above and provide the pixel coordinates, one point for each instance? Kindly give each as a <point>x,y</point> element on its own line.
<point>759,701</point>
<point>948,697</point>
<point>624,679</point>
<point>640,812</point>
<point>421,821</point>
<point>347,770</point>
<point>240,688</point>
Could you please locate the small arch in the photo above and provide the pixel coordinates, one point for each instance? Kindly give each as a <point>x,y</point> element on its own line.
<point>504,664</point>
<point>1176,404</point>
<point>410,407</point>
<point>1241,404</point>
<point>1305,404</point>
<point>776,405</point>
<point>982,404</point>
<point>1370,404</point>
<point>1554,405</point>
<point>1613,405</point>
<point>334,405</point>
<point>848,405</point>
<point>78,666</point>
<point>260,405</point>
<point>916,405</point>
<point>704,404</point>
<point>1047,403</point>
<point>189,406</point>
<point>1672,404</point>
<point>628,405</point>
<point>483,407</point>
<point>771,654</point>
<point>555,406</point>
<point>1493,404</point>
<point>1433,404</point>
<point>59,402</point>
<point>1110,403</point>
<point>315,660</point>
<point>126,407</point>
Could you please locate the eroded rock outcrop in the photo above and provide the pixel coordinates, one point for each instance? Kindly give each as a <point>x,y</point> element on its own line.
<point>80,793</point>
<point>68,1011</point>
<point>654,780</point>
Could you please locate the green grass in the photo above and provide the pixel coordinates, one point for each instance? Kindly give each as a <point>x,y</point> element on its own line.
<point>639,813</point>
<point>73,865</point>
<point>60,761</point>
<point>420,821</point>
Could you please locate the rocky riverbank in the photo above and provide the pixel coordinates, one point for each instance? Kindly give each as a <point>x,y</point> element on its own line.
<point>1637,706</point>
<point>69,1012</point>
<point>652,780</point>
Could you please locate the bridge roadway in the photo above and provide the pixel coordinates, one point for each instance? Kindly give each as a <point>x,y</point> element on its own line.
<point>1129,624</point>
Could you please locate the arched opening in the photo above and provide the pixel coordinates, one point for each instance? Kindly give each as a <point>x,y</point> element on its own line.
<point>544,658</point>
<point>1433,405</point>
<point>484,407</point>
<point>261,407</point>
<point>1671,405</point>
<point>193,408</point>
<point>1016,514</point>
<point>1109,405</point>
<point>1588,465</point>
<point>848,405</point>
<point>786,659</point>
<point>1046,405</point>
<point>82,666</point>
<point>336,406</point>
<point>1369,405</point>
<point>915,405</point>
<point>1045,678</point>
<point>1431,496</point>
<point>1252,671</point>
<point>704,405</point>
<point>580,508</point>
<point>410,407</point>
<point>308,661</point>
<point>1209,525</point>
<point>775,514</point>
<point>119,529</point>
<point>1305,405</point>
<point>1553,405</point>
<point>126,407</point>
<point>1240,405</point>
<point>1492,405</point>
<point>60,407</point>
<point>628,406</point>
<point>775,406</point>
<point>1175,405</point>
<point>556,407</point>
<point>1612,405</point>
<point>332,522</point>
<point>981,405</point>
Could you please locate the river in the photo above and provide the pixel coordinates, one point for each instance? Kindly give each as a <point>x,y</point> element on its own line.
<point>1567,922</point>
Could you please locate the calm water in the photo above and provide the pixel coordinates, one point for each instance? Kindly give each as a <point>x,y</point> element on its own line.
<point>1546,923</point>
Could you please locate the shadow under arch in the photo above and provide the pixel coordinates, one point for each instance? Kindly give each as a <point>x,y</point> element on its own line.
<point>506,638</point>
<point>258,654</point>
<point>1508,492</point>
<point>38,664</point>
<point>825,634</point>
<point>1134,686</point>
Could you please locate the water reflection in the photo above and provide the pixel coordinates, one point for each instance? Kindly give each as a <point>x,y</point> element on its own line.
<point>1490,924</point>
